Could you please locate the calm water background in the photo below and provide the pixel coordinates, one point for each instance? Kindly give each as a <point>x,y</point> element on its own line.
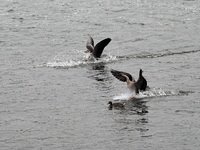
<point>51,98</point>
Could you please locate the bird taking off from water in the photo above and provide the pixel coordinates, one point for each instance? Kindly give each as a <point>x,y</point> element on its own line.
<point>96,50</point>
<point>134,86</point>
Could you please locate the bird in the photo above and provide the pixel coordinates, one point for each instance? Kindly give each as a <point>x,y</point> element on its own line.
<point>116,105</point>
<point>134,86</point>
<point>96,50</point>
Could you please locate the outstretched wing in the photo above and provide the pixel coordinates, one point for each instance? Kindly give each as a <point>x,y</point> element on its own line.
<point>99,47</point>
<point>90,44</point>
<point>120,75</point>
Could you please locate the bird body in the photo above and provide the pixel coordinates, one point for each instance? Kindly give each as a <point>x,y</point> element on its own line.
<point>115,105</point>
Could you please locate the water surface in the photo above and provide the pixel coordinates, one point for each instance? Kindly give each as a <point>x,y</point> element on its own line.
<point>52,98</point>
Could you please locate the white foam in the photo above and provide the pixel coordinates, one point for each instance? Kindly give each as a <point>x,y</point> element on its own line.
<point>108,58</point>
<point>153,92</point>
<point>60,62</point>
<point>65,64</point>
<point>122,96</point>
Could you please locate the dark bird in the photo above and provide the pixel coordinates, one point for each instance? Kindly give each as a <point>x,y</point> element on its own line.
<point>140,85</point>
<point>115,105</point>
<point>96,50</point>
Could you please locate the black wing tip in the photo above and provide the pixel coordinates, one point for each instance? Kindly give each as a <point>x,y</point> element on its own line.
<point>105,42</point>
<point>108,39</point>
<point>115,72</point>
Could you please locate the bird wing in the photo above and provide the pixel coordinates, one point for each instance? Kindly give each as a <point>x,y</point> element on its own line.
<point>90,44</point>
<point>120,75</point>
<point>99,47</point>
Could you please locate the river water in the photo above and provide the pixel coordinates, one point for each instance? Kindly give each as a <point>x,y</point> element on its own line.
<point>51,97</point>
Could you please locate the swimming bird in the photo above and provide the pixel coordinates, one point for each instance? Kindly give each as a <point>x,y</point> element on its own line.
<point>140,85</point>
<point>115,105</point>
<point>96,50</point>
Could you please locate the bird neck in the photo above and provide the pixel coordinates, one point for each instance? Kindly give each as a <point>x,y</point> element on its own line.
<point>140,73</point>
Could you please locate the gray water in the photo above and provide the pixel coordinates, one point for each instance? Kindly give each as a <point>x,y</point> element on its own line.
<point>52,98</point>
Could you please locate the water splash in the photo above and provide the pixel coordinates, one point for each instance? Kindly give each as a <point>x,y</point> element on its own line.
<point>153,92</point>
<point>63,60</point>
<point>59,62</point>
<point>123,96</point>
<point>65,64</point>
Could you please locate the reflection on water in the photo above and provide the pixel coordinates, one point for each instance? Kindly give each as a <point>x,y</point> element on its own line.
<point>100,74</point>
<point>134,107</point>
<point>133,117</point>
<point>162,38</point>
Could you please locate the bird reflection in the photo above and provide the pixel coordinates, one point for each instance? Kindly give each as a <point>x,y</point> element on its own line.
<point>98,66</point>
<point>135,107</point>
<point>138,106</point>
<point>99,73</point>
<point>133,117</point>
